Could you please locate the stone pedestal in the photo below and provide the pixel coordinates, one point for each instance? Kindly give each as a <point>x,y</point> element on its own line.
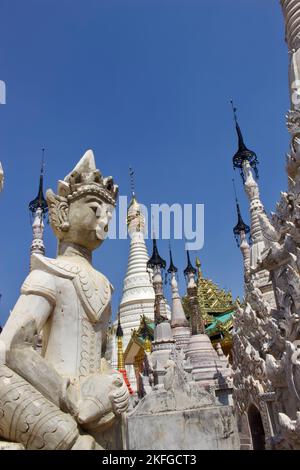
<point>202,429</point>
<point>182,417</point>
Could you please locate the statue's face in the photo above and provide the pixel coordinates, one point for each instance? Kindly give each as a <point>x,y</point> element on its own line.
<point>88,219</point>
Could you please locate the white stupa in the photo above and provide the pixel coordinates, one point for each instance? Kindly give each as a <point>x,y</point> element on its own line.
<point>138,293</point>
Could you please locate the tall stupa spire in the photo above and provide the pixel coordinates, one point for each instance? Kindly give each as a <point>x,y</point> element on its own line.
<point>256,210</point>
<point>190,273</point>
<point>179,324</point>
<point>240,231</point>
<point>246,161</point>
<point>156,263</point>
<point>38,208</point>
<point>138,294</point>
<point>207,368</point>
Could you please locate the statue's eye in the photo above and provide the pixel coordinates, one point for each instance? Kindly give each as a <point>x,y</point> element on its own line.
<point>95,208</point>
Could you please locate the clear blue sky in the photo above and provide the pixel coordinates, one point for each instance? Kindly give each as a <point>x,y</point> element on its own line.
<point>147,84</point>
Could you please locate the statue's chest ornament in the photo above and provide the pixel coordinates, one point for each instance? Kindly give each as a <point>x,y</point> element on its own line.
<point>94,292</point>
<point>92,287</point>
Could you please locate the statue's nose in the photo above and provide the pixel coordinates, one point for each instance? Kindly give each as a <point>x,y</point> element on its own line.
<point>98,211</point>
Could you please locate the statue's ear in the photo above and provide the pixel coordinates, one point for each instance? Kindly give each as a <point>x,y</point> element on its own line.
<point>58,213</point>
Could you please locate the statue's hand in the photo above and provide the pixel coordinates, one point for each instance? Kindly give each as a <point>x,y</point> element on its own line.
<point>69,397</point>
<point>119,396</point>
<point>102,397</point>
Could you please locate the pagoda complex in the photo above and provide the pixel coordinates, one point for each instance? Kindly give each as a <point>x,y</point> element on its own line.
<point>181,378</point>
<point>216,309</point>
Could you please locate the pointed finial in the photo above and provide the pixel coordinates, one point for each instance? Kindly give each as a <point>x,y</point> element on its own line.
<point>156,259</point>
<point>119,332</point>
<point>40,202</point>
<point>190,268</point>
<point>172,267</point>
<point>243,154</point>
<point>241,143</point>
<point>41,195</point>
<point>132,185</point>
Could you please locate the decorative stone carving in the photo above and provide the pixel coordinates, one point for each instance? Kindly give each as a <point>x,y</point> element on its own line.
<point>266,344</point>
<point>67,396</point>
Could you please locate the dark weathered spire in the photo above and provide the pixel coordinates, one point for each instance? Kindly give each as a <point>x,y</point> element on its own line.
<point>243,154</point>
<point>190,268</point>
<point>240,226</point>
<point>172,267</point>
<point>119,332</point>
<point>156,259</point>
<point>40,202</point>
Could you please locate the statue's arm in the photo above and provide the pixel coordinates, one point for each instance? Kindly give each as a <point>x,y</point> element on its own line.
<point>18,339</point>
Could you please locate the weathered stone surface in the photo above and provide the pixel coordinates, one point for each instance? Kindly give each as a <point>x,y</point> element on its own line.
<point>177,413</point>
<point>165,422</point>
<point>267,328</point>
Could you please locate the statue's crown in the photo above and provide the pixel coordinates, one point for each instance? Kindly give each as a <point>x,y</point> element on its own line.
<point>85,178</point>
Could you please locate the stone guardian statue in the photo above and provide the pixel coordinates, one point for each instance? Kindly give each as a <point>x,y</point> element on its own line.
<point>67,397</point>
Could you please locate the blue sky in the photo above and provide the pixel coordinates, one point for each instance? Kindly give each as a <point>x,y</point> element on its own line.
<point>147,84</point>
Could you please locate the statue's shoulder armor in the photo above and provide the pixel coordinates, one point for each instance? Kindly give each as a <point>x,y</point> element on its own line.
<point>40,282</point>
<point>53,266</point>
<point>92,287</point>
